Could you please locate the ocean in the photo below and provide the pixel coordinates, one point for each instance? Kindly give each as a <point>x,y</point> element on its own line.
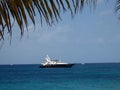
<point>102,76</point>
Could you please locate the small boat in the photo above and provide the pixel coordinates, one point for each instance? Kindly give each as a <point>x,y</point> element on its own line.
<point>49,63</point>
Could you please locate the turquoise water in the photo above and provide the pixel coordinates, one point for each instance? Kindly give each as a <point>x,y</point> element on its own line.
<point>79,77</point>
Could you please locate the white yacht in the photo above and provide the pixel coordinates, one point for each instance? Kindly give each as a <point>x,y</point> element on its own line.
<point>49,63</point>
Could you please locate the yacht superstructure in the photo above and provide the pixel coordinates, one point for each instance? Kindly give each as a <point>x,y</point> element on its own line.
<point>54,63</point>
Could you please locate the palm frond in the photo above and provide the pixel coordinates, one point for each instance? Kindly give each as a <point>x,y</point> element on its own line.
<point>117,8</point>
<point>49,10</point>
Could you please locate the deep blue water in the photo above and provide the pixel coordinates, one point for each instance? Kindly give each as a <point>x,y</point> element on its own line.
<point>79,77</point>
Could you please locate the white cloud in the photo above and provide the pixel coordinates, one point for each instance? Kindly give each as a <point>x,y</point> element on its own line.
<point>99,1</point>
<point>100,40</point>
<point>106,12</point>
<point>48,35</point>
<point>115,39</point>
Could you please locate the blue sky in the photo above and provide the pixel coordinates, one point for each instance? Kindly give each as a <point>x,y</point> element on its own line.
<point>91,36</point>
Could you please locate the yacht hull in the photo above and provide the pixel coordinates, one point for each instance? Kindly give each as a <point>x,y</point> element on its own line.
<point>57,66</point>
